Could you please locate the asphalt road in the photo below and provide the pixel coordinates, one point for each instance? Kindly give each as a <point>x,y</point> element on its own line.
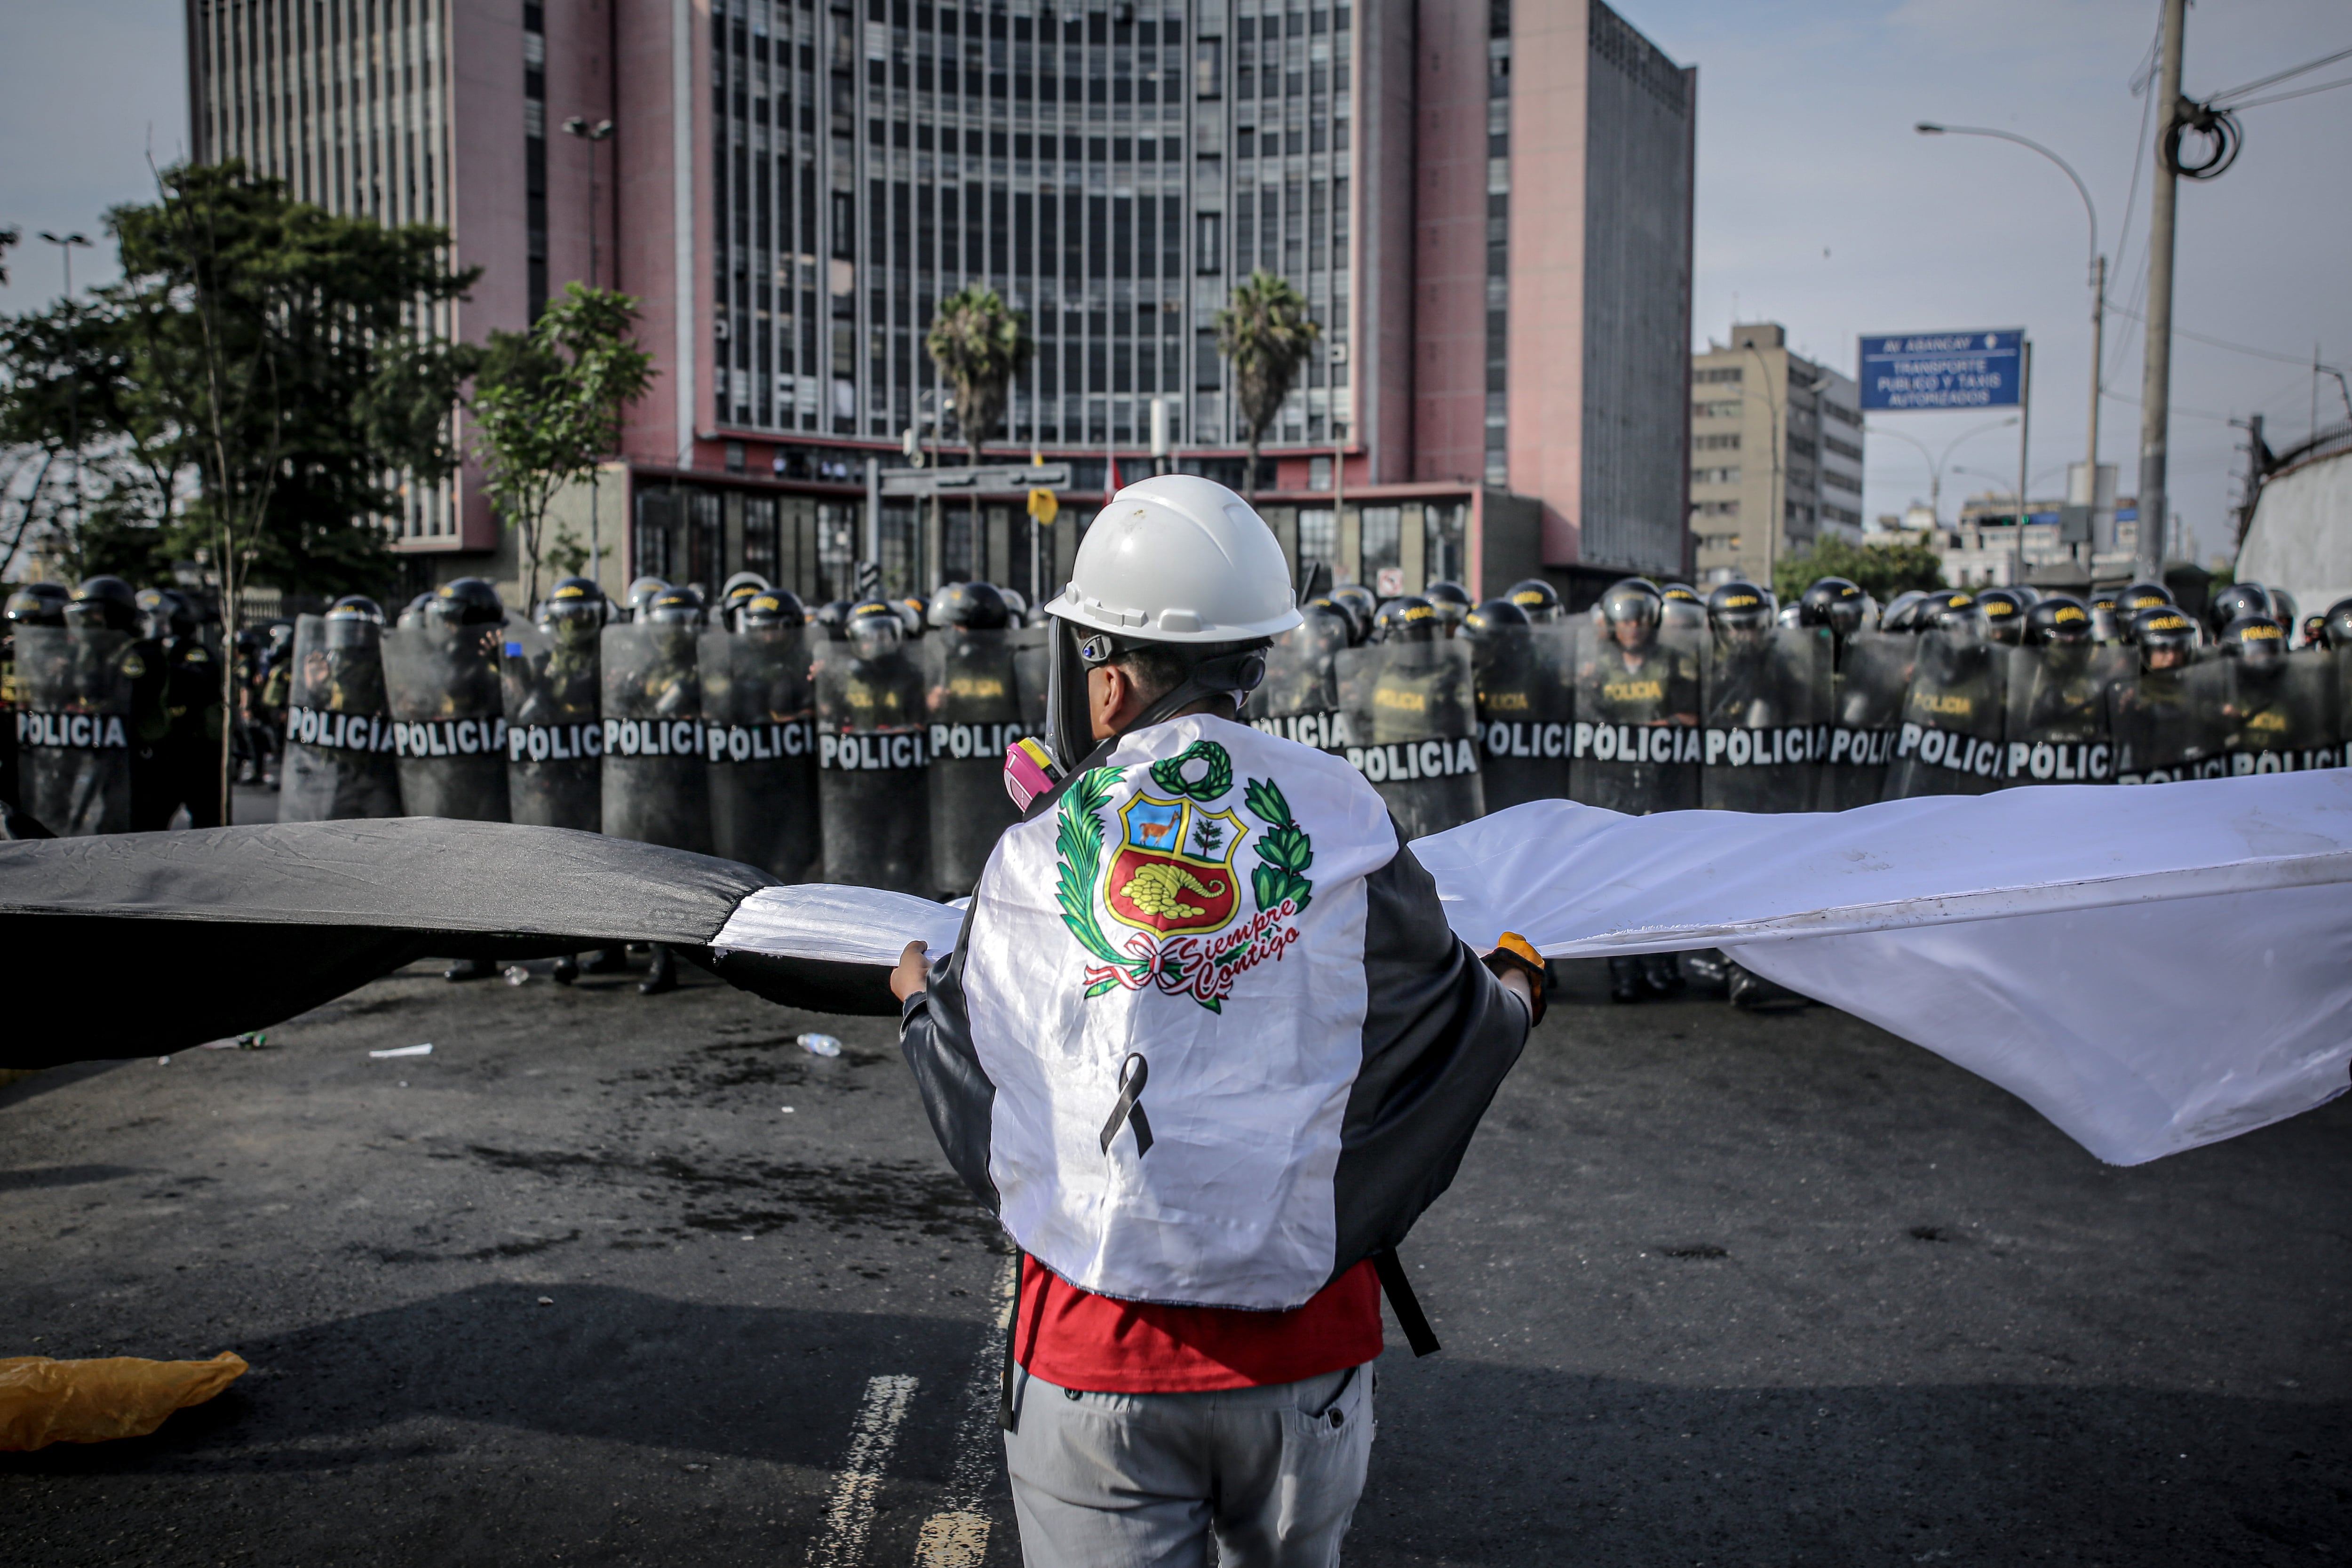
<point>1714,1287</point>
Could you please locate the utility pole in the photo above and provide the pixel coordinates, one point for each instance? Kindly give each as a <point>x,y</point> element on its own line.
<point>2155,385</point>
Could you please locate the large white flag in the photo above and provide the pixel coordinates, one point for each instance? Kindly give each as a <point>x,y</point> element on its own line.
<point>2150,968</point>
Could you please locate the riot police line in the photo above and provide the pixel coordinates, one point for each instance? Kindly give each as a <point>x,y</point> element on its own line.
<point>863,742</point>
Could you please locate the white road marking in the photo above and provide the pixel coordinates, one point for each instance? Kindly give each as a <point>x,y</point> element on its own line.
<point>957,1536</point>
<point>876,1433</point>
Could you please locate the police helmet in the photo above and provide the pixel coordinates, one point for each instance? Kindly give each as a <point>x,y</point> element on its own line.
<point>1834,603</point>
<point>2106,626</point>
<point>103,604</point>
<point>1408,619</point>
<point>1739,607</point>
<point>2254,640</point>
<point>875,627</point>
<point>915,610</point>
<point>2059,619</point>
<point>1360,604</point>
<point>1451,602</point>
<point>573,602</point>
<point>1683,607</point>
<point>1633,604</point>
<point>2004,614</point>
<point>2338,623</point>
<point>1901,614</point>
<point>739,591</point>
<point>1494,618</point>
<point>2314,631</point>
<point>2167,637</point>
<point>2283,610</point>
<point>1952,610</point>
<point>673,607</point>
<point>833,615</point>
<point>466,601</point>
<point>1538,598</point>
<point>641,594</point>
<point>2140,596</point>
<point>2234,603</point>
<point>974,606</point>
<point>772,609</point>
<point>1015,606</point>
<point>38,605</point>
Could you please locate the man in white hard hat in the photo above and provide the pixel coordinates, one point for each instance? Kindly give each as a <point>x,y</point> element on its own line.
<point>1207,1048</point>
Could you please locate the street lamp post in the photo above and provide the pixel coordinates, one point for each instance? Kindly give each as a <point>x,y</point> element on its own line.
<point>591,134</point>
<point>66,243</point>
<point>2098,270</point>
<point>1936,464</point>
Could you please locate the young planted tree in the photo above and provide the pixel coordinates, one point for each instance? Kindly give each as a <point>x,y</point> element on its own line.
<point>1882,571</point>
<point>547,406</point>
<point>1266,334</point>
<point>980,344</point>
<point>286,355</point>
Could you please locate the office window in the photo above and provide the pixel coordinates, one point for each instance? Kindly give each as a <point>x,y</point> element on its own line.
<point>1319,535</point>
<point>1209,242</point>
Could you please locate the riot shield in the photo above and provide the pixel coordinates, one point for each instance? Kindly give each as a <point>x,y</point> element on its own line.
<point>339,759</point>
<point>1950,740</point>
<point>1765,705</point>
<point>1413,711</point>
<point>1527,708</point>
<point>2057,726</point>
<point>2165,726</point>
<point>873,757</point>
<point>555,745</point>
<point>1299,698</point>
<point>654,785</point>
<point>2275,718</point>
<point>449,720</point>
<point>971,696</point>
<point>74,738</point>
<point>1874,671</point>
<point>1636,747</point>
<point>759,744</point>
<point>1030,673</point>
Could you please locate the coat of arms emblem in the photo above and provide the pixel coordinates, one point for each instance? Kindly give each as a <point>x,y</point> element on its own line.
<point>1171,877</point>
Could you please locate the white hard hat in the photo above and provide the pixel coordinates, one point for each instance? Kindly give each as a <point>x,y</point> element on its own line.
<point>1180,558</point>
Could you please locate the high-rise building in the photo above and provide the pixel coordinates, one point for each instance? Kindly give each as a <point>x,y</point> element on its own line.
<point>1776,449</point>
<point>789,187</point>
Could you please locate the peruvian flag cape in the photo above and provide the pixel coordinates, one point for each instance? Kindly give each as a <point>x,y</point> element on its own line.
<point>1173,978</point>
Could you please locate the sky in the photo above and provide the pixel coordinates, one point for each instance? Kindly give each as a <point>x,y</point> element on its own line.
<point>1817,205</point>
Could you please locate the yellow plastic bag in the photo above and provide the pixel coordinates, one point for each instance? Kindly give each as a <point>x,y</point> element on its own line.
<point>44,1400</point>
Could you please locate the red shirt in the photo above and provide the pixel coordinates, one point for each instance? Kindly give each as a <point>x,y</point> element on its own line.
<point>1079,1339</point>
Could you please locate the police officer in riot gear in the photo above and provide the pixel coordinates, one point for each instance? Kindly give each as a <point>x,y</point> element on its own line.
<point>1451,602</point>
<point>832,619</point>
<point>1539,599</point>
<point>2235,602</point>
<point>1834,603</point>
<point>973,701</point>
<point>1360,604</point>
<point>36,605</point>
<point>1953,714</point>
<point>2162,729</point>
<point>2003,610</point>
<point>872,756</point>
<point>2058,708</point>
<point>1299,698</point>
<point>187,760</point>
<point>1683,608</point>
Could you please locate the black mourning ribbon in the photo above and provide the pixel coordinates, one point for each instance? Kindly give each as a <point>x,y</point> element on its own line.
<point>1133,1073</point>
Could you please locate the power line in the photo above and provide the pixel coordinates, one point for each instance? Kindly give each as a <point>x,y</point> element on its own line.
<point>2220,99</point>
<point>2304,359</point>
<point>2299,92</point>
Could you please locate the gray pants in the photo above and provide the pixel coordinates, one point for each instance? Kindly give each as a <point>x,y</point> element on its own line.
<point>1138,1480</point>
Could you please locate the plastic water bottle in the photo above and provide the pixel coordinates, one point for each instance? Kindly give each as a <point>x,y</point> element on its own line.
<point>820,1045</point>
<point>516,974</point>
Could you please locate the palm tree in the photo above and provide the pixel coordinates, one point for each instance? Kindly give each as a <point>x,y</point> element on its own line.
<point>1267,335</point>
<point>980,344</point>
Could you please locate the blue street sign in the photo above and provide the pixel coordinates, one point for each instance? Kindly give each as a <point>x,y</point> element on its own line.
<point>1942,370</point>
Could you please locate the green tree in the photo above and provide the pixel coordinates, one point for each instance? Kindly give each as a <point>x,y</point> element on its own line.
<point>1882,571</point>
<point>547,407</point>
<point>1266,334</point>
<point>290,356</point>
<point>980,344</point>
